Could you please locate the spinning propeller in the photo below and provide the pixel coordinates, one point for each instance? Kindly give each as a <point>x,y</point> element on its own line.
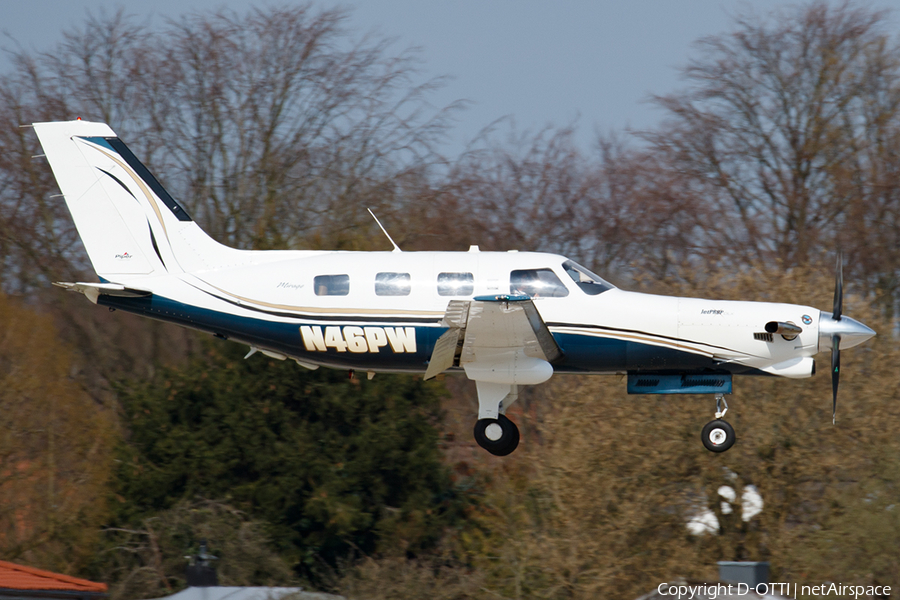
<point>840,331</point>
<point>836,338</point>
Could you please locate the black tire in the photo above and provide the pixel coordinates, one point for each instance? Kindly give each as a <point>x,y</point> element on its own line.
<point>718,436</point>
<point>505,444</point>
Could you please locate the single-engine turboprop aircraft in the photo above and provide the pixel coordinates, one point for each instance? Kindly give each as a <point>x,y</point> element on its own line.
<point>505,319</point>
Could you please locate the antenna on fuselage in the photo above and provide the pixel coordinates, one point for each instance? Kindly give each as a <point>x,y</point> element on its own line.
<point>393,243</point>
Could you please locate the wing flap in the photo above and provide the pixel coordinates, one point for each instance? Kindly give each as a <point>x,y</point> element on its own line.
<point>507,324</point>
<point>501,337</point>
<point>444,354</point>
<point>545,340</point>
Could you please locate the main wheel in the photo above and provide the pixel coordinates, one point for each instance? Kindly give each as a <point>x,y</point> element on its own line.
<point>718,436</point>
<point>498,436</point>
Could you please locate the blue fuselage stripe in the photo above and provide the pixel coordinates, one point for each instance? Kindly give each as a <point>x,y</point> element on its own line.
<point>581,353</point>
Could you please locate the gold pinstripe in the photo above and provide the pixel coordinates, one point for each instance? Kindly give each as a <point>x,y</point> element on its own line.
<point>650,339</point>
<point>336,311</point>
<point>140,182</point>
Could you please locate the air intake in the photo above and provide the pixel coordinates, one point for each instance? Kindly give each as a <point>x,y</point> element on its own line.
<point>694,383</point>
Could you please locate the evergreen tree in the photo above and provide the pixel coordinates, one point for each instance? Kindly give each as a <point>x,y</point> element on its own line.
<point>334,466</point>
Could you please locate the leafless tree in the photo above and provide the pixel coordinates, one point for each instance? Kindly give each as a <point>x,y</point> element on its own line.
<point>281,128</point>
<point>273,128</point>
<point>149,559</point>
<point>618,211</point>
<point>786,128</point>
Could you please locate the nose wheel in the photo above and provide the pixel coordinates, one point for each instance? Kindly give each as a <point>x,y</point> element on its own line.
<point>718,434</point>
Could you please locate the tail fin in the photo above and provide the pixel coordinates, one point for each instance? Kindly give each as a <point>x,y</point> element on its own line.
<point>130,226</point>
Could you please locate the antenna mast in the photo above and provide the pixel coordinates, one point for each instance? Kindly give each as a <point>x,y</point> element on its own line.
<point>396,247</point>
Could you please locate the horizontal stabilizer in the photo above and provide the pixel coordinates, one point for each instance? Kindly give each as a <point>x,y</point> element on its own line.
<point>94,290</point>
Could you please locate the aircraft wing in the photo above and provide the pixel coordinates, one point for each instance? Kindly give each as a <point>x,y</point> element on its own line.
<point>94,290</point>
<point>494,337</point>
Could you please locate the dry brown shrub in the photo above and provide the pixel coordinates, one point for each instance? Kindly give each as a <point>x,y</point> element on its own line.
<point>55,447</point>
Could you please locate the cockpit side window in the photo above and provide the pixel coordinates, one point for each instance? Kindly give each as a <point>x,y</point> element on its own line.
<point>536,283</point>
<point>392,284</point>
<point>331,285</point>
<point>589,283</point>
<point>455,284</point>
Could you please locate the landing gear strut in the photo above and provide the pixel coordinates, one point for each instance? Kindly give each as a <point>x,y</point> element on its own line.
<point>718,435</point>
<point>493,431</point>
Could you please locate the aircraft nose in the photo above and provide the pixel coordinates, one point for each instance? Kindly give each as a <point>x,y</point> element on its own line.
<point>851,331</point>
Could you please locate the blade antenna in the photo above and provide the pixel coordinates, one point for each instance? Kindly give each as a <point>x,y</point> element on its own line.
<point>394,244</point>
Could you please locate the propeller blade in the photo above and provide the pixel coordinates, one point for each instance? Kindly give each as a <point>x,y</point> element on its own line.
<point>835,373</point>
<point>838,289</point>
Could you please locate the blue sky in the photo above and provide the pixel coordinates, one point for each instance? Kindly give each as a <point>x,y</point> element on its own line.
<point>592,63</point>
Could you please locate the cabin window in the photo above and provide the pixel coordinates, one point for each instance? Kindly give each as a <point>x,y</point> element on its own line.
<point>392,284</point>
<point>589,283</point>
<point>331,285</point>
<point>455,284</point>
<point>536,283</point>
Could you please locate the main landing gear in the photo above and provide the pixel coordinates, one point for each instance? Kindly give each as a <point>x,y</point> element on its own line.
<point>494,431</point>
<point>498,436</point>
<point>718,435</point>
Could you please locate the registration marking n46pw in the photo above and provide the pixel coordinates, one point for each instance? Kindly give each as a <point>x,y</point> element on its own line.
<point>358,339</point>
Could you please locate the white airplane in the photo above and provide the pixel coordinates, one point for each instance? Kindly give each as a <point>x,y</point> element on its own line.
<point>505,319</point>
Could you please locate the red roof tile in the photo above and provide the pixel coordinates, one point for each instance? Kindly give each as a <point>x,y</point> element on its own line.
<point>19,577</point>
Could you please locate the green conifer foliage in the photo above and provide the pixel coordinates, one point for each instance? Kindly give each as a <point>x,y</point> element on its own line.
<point>334,465</point>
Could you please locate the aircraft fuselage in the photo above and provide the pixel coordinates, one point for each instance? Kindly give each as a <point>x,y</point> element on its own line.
<point>365,325</point>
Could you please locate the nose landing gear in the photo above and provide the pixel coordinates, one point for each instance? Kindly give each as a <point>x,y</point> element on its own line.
<point>718,434</point>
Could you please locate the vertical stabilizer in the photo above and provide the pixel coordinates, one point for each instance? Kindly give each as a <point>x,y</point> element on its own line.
<point>130,226</point>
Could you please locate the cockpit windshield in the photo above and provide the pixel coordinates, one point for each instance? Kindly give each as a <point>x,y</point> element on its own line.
<point>589,283</point>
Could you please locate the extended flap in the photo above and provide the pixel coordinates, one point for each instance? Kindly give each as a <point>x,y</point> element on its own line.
<point>444,354</point>
<point>507,324</point>
<point>491,327</point>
